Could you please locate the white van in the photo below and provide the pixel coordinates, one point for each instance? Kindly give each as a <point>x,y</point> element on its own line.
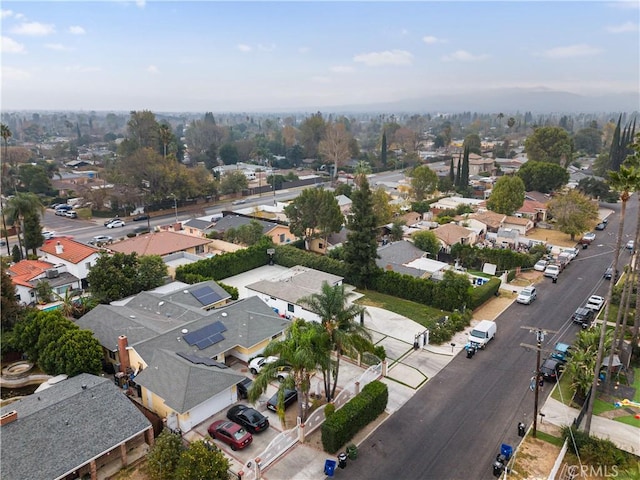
<point>482,333</point>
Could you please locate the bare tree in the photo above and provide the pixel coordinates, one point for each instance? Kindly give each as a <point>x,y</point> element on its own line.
<point>334,148</point>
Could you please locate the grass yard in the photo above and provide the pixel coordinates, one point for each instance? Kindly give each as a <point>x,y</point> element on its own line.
<point>563,391</point>
<point>553,440</point>
<point>417,312</point>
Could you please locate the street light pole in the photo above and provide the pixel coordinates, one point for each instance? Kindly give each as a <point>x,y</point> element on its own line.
<point>175,205</point>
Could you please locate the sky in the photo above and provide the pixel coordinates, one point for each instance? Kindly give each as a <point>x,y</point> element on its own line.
<point>240,56</point>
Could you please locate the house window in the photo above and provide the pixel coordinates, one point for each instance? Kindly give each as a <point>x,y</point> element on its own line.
<point>112,355</point>
<point>290,307</point>
<point>87,265</point>
<point>282,238</point>
<point>321,245</point>
<point>200,249</point>
<point>32,293</point>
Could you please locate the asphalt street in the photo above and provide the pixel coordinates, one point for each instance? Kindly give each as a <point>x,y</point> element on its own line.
<point>453,427</point>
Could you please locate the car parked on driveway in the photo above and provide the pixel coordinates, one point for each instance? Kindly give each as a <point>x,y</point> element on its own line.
<point>595,303</point>
<point>584,316</point>
<point>115,224</point>
<point>290,397</point>
<point>540,265</point>
<point>527,295</point>
<point>230,433</point>
<point>258,363</point>
<point>551,369</point>
<point>243,387</point>
<point>248,417</point>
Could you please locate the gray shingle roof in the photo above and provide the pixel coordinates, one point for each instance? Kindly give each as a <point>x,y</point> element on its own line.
<point>199,224</point>
<point>397,254</point>
<point>181,384</point>
<point>64,427</point>
<point>235,221</point>
<point>187,299</point>
<point>298,282</point>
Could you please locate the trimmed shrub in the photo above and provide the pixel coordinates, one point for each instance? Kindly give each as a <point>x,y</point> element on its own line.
<point>481,294</point>
<point>233,291</point>
<point>289,256</point>
<point>357,413</point>
<point>329,409</point>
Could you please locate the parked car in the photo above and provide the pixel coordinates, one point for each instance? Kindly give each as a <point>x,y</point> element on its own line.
<point>230,433</point>
<point>243,387</point>
<point>248,417</point>
<point>551,369</point>
<point>572,252</point>
<point>608,274</point>
<point>238,202</point>
<point>601,226</point>
<point>595,303</point>
<point>290,397</point>
<point>71,214</point>
<point>584,316</point>
<point>258,363</point>
<point>107,222</point>
<point>48,235</point>
<point>61,212</point>
<point>527,295</point>
<point>63,207</point>
<point>142,216</point>
<point>561,352</point>
<point>115,224</point>
<point>99,239</point>
<point>629,245</point>
<point>141,229</point>
<point>283,372</point>
<point>540,265</point>
<point>552,271</point>
<point>587,238</point>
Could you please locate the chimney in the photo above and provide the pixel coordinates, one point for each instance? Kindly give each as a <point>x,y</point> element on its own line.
<point>59,248</point>
<point>8,417</point>
<point>123,354</point>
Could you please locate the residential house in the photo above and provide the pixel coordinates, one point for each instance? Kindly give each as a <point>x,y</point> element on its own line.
<point>479,164</point>
<point>26,274</point>
<point>321,245</point>
<point>521,224</point>
<point>533,210</point>
<point>507,238</point>
<point>491,220</point>
<point>161,243</point>
<point>540,197</point>
<point>279,233</point>
<point>76,258</point>
<point>405,258</point>
<point>344,203</point>
<point>173,353</point>
<point>451,203</point>
<point>451,234</point>
<point>197,227</point>
<point>283,294</point>
<point>81,427</point>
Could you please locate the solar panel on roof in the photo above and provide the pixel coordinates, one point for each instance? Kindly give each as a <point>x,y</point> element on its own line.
<point>208,341</point>
<point>206,295</point>
<point>204,332</point>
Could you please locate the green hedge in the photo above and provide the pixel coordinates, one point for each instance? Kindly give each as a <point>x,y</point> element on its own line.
<point>289,256</point>
<point>404,286</point>
<point>356,414</point>
<point>225,265</point>
<point>481,294</point>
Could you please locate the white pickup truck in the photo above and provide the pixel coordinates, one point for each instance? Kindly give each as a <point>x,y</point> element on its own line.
<point>482,333</point>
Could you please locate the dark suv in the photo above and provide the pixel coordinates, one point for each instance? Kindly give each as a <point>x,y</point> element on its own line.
<point>584,316</point>
<point>551,369</point>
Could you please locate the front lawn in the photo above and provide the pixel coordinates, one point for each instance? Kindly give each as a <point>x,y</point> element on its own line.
<point>417,312</point>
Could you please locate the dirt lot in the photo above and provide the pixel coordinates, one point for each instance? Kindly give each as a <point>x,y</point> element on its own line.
<point>554,237</point>
<point>535,458</point>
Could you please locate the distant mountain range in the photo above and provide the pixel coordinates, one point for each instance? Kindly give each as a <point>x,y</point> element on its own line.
<point>539,100</point>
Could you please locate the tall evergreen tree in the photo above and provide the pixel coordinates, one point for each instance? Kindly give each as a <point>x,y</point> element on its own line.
<point>621,144</point>
<point>360,250</point>
<point>452,174</point>
<point>458,171</point>
<point>464,176</point>
<point>383,149</point>
<point>33,238</point>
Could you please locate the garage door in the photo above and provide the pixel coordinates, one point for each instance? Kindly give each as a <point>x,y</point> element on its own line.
<point>200,413</point>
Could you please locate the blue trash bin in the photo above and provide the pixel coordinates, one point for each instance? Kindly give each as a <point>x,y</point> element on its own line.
<point>329,467</point>
<point>506,450</point>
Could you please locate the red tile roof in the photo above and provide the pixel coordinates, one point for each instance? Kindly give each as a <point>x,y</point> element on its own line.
<point>159,243</point>
<point>72,251</point>
<point>26,270</point>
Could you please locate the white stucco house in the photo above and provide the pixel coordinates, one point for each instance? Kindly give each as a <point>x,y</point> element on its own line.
<point>76,258</point>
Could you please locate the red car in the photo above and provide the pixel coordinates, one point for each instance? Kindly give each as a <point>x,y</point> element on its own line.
<point>230,433</point>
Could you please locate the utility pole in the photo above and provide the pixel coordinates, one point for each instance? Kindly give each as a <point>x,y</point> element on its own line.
<point>540,334</point>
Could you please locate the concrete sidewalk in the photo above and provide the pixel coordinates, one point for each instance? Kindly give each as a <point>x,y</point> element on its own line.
<point>626,437</point>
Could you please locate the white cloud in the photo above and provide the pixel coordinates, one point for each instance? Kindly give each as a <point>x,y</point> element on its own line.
<point>625,5</point>
<point>304,49</point>
<point>244,48</point>
<point>579,50</point>
<point>266,48</point>
<point>388,57</point>
<point>12,73</point>
<point>35,29</point>
<point>153,69</point>
<point>9,45</point>
<point>141,3</point>
<point>56,46</point>
<point>342,69</point>
<point>6,13</point>
<point>76,30</point>
<point>623,28</point>
<point>464,56</point>
<point>430,40</point>
<point>81,69</point>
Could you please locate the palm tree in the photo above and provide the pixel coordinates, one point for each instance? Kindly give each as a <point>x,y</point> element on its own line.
<point>623,181</point>
<point>165,138</point>
<point>337,318</point>
<point>303,349</point>
<point>18,207</point>
<point>6,135</point>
